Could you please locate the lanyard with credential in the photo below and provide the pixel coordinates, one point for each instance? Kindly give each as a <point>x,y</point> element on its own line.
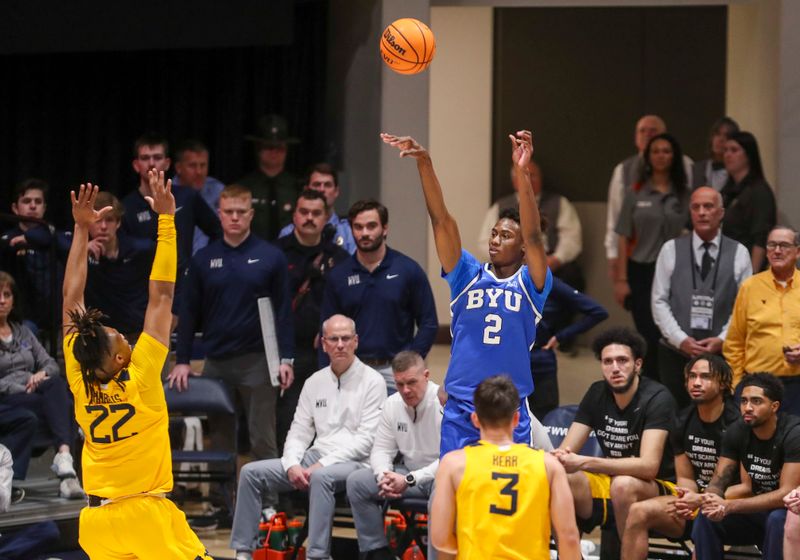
<point>694,265</point>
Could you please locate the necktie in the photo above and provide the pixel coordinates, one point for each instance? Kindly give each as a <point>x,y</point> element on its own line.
<point>707,262</point>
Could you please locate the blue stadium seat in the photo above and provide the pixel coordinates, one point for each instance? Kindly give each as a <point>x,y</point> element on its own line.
<point>205,396</point>
<point>557,423</point>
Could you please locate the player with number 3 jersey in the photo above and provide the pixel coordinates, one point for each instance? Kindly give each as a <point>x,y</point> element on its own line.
<point>498,499</point>
<point>495,306</point>
<point>120,403</point>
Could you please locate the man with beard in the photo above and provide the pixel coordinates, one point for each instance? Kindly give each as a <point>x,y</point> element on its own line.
<point>385,292</point>
<point>631,416</point>
<point>696,441</point>
<point>765,447</point>
<point>311,257</point>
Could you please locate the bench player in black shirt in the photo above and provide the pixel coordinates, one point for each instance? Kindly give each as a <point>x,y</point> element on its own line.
<point>631,416</point>
<point>765,447</point>
<point>696,441</point>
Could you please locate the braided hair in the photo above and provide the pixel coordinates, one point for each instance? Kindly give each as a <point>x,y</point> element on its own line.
<point>92,346</point>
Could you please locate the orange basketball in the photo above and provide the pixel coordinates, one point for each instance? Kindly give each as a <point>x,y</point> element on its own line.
<point>407,46</point>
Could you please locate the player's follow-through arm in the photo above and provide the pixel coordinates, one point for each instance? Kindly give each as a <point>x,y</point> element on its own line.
<point>445,229</point>
<point>530,221</point>
<point>158,316</point>
<point>84,214</point>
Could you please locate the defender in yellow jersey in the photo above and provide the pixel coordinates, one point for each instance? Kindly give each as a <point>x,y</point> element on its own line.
<point>120,404</point>
<point>497,499</point>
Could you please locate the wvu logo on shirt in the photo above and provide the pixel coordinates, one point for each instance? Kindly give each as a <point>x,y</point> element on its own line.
<point>353,280</point>
<point>143,216</point>
<point>321,403</point>
<point>402,427</point>
<point>490,297</point>
<point>215,263</point>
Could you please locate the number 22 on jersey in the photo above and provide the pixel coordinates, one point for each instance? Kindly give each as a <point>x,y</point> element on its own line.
<point>107,426</point>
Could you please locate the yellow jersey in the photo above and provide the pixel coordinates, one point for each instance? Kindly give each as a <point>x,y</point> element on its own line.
<point>503,504</point>
<point>126,449</point>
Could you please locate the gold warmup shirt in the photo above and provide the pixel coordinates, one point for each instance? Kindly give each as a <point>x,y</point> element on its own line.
<point>127,444</point>
<point>503,504</point>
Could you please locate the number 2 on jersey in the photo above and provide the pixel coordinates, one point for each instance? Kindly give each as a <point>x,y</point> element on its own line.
<point>120,413</point>
<point>490,332</point>
<point>508,490</point>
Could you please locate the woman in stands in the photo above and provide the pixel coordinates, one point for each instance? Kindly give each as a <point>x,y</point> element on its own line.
<point>30,378</point>
<point>750,211</point>
<point>654,211</point>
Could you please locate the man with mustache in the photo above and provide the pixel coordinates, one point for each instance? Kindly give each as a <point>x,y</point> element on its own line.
<point>384,291</point>
<point>632,416</point>
<point>765,446</point>
<point>311,256</point>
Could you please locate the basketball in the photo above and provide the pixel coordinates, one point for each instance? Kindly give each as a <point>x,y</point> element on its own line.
<point>407,46</point>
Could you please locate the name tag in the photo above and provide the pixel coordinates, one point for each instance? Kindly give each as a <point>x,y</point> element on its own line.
<point>701,315</point>
<point>644,203</point>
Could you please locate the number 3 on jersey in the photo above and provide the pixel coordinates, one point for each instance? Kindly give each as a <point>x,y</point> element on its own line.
<point>508,490</point>
<point>119,414</point>
<point>491,331</point>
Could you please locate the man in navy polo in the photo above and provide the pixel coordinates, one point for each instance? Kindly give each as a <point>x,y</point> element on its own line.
<point>223,284</point>
<point>385,292</point>
<point>152,152</point>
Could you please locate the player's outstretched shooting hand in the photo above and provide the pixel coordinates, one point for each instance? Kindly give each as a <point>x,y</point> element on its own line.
<point>406,144</point>
<point>521,148</point>
<point>83,211</point>
<point>160,199</point>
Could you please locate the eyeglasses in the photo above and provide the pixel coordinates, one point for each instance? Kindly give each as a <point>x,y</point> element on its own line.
<point>784,246</point>
<point>336,339</point>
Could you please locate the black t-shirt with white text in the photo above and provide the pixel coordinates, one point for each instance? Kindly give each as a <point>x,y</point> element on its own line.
<point>619,432</point>
<point>763,459</point>
<point>701,442</point>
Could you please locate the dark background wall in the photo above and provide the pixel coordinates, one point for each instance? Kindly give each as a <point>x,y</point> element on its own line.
<point>581,77</point>
<point>69,117</point>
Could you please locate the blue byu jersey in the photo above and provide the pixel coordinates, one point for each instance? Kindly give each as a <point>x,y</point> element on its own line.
<point>493,326</point>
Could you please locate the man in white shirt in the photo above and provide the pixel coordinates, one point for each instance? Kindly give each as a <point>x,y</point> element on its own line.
<point>331,436</point>
<point>694,288</point>
<point>411,425</point>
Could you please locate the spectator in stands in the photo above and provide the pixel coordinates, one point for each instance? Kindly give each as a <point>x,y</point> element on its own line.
<point>696,440</point>
<point>30,540</point>
<point>17,430</point>
<point>152,152</point>
<point>311,256</point>
<point>385,292</point>
<point>563,234</point>
<point>750,210</point>
<point>404,457</point>
<point>274,188</point>
<point>631,416</point>
<point>695,284</point>
<point>654,211</point>
<point>765,447</point>
<point>563,299</point>
<point>322,177</point>
<point>331,436</point>
<point>711,172</point>
<point>223,285</point>
<point>626,174</point>
<point>118,270</point>
<point>30,379</point>
<point>26,253</point>
<point>764,332</point>
<point>191,170</point>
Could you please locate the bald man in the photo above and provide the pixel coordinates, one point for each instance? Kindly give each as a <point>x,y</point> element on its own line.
<point>626,174</point>
<point>692,305</point>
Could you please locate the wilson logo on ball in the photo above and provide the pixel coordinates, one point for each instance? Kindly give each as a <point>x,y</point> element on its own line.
<point>407,46</point>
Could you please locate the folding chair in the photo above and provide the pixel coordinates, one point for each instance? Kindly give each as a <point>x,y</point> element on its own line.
<point>206,396</point>
<point>408,507</point>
